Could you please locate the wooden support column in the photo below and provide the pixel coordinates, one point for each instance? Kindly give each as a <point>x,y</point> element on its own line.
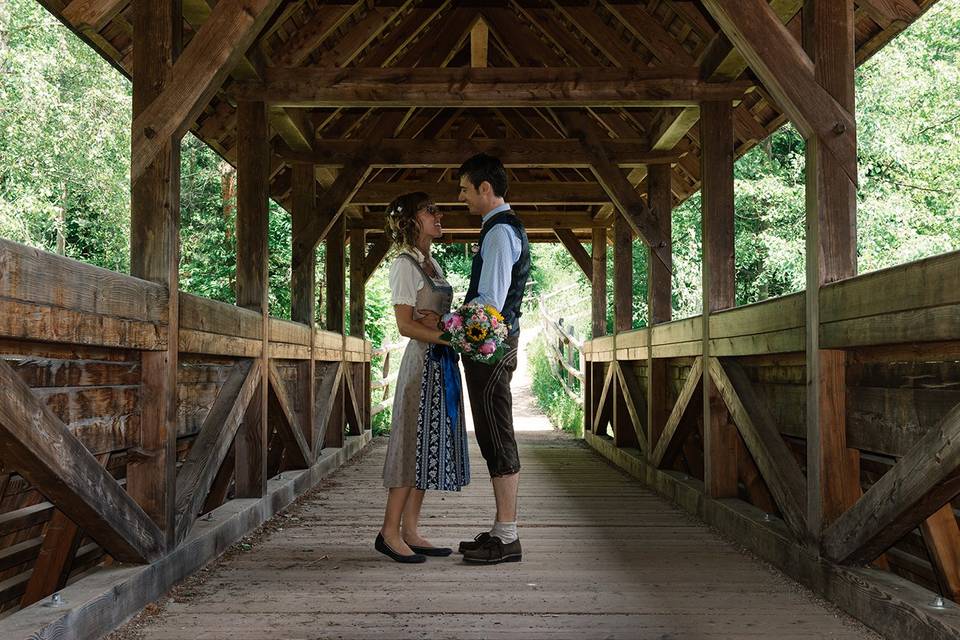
<point>253,188</point>
<point>303,286</point>
<point>716,161</point>
<point>155,256</point>
<point>623,429</point>
<point>358,298</point>
<point>598,301</point>
<point>833,476</point>
<point>659,300</point>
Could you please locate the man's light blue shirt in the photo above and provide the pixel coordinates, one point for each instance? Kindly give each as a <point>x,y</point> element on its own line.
<point>500,251</point>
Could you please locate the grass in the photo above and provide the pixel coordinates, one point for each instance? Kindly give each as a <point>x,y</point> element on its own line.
<point>563,412</point>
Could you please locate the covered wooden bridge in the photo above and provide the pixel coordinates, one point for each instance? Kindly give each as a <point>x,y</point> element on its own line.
<point>143,430</point>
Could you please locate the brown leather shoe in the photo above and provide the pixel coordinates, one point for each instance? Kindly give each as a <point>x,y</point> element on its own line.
<point>493,551</point>
<point>476,543</point>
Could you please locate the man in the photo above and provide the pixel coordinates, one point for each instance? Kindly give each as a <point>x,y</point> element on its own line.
<point>498,278</point>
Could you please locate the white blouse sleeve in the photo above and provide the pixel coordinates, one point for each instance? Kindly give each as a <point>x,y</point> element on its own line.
<point>405,282</point>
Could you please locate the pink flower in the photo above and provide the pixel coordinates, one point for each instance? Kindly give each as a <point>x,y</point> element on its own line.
<point>488,347</point>
<point>494,323</point>
<point>453,322</point>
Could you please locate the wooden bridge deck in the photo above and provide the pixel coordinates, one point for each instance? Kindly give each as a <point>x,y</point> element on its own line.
<point>603,557</point>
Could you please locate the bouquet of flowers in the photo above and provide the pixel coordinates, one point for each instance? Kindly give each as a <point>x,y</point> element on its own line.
<point>477,331</point>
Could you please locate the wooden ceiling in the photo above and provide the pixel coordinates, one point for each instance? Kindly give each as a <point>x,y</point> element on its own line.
<point>621,48</point>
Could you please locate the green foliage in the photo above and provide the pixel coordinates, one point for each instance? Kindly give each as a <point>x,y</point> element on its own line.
<point>562,411</point>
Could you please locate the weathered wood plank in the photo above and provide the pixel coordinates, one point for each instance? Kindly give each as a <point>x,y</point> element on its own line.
<point>43,451</point>
<point>918,485</point>
<point>284,418</point>
<point>669,441</point>
<point>214,442</point>
<point>492,87</point>
<point>942,537</point>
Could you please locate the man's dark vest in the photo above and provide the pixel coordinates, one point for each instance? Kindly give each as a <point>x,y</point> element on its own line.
<point>518,275</point>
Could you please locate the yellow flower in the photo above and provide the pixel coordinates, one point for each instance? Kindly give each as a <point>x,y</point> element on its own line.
<point>476,333</point>
<point>493,312</point>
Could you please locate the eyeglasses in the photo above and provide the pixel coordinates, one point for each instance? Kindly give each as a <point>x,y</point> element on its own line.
<point>432,209</point>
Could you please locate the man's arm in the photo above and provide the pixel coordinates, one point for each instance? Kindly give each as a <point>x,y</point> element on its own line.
<point>501,250</point>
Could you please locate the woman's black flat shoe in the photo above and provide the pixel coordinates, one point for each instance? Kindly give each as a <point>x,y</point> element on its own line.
<point>436,552</point>
<point>382,546</point>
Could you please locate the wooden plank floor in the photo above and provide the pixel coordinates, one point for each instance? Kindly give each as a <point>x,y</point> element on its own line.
<point>603,558</point>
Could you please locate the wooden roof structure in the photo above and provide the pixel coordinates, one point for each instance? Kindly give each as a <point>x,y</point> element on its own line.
<point>329,70</point>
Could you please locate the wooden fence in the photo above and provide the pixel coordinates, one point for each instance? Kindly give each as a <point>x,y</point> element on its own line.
<point>387,377</point>
<point>564,348</point>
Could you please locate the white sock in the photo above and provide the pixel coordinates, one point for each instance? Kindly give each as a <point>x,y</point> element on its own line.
<point>506,531</point>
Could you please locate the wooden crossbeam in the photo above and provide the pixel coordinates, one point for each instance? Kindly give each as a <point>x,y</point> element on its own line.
<point>44,451</point>
<point>61,538</point>
<point>328,386</point>
<point>354,415</point>
<point>577,252</point>
<point>419,153</point>
<point>92,15</point>
<point>605,404</point>
<point>284,418</point>
<point>623,194</point>
<point>196,76</point>
<point>375,256</point>
<point>942,537</point>
<point>213,443</point>
<point>919,484</point>
<point>380,194</point>
<point>635,401</point>
<point>752,417</point>
<point>490,87</point>
<point>788,73</point>
<point>457,221</point>
<point>670,438</point>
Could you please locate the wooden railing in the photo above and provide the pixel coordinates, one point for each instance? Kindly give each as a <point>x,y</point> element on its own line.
<point>564,349</point>
<point>898,332</point>
<point>73,374</point>
<point>385,383</point>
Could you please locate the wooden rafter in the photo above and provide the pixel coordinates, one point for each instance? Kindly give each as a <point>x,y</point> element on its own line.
<point>44,451</point>
<point>213,443</point>
<point>490,87</point>
<point>577,252</point>
<point>379,194</point>
<point>196,76</point>
<point>92,15</point>
<point>375,256</point>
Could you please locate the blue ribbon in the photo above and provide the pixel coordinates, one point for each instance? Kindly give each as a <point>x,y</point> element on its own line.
<point>448,359</point>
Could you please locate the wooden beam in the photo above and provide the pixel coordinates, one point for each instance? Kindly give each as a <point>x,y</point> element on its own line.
<point>92,15</point>
<point>942,537</point>
<point>635,403</point>
<point>154,256</point>
<point>598,288</point>
<point>375,257</point>
<point>414,153</point>
<point>352,403</point>
<point>213,443</point>
<point>253,166</point>
<point>61,538</point>
<point>577,252</point>
<point>717,204</point>
<point>659,300</point>
<point>380,194</point>
<point>41,449</point>
<point>605,403</point>
<point>358,298</point>
<point>328,384</point>
<point>319,26</point>
<point>622,275</point>
<point>197,75</point>
<point>623,194</point>
<point>668,443</point>
<point>467,87</point>
<point>788,73</point>
<point>284,418</point>
<point>479,43</point>
<point>831,254</point>
<point>923,480</point>
<point>774,459</point>
<point>303,295</point>
<point>335,266</point>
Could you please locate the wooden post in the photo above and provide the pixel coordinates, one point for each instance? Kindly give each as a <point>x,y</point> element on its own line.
<point>716,161</point>
<point>253,183</point>
<point>303,286</point>
<point>358,298</point>
<point>659,300</point>
<point>336,239</point>
<point>833,470</point>
<point>623,430</point>
<point>155,256</point>
<point>599,289</point>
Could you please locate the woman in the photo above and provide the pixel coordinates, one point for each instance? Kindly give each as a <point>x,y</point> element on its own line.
<point>428,441</point>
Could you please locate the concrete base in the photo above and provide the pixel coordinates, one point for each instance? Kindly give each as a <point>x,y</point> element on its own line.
<point>108,596</point>
<point>895,607</point>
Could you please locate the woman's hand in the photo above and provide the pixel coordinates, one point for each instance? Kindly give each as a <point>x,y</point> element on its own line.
<point>430,320</point>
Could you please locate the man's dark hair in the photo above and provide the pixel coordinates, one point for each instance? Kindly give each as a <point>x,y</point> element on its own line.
<point>484,168</point>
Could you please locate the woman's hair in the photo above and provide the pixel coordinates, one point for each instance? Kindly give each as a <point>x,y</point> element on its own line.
<point>401,226</point>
